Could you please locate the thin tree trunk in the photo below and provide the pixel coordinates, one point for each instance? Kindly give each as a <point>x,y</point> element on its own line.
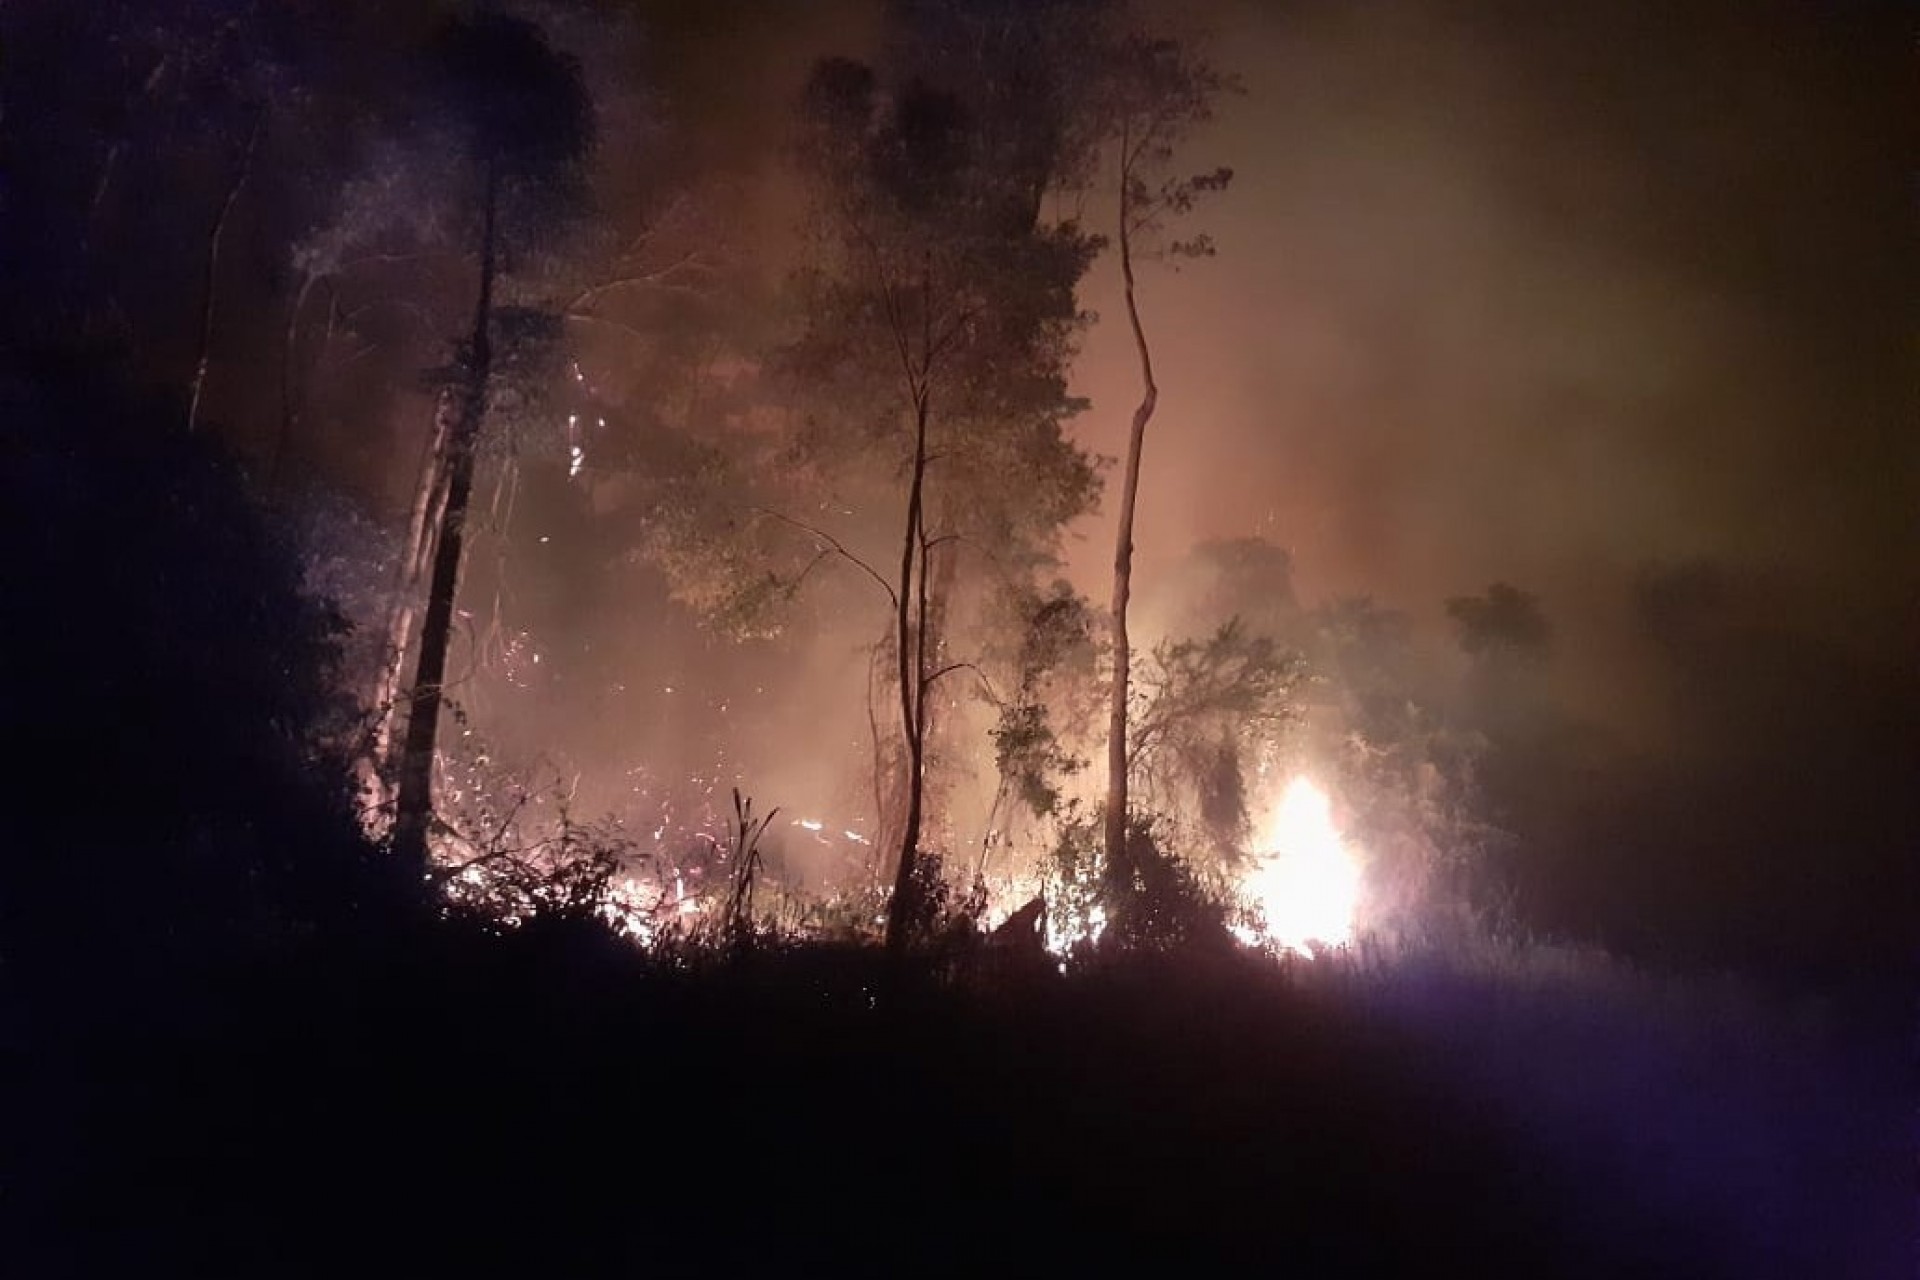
<point>414,807</point>
<point>939,566</point>
<point>889,798</point>
<point>290,397</point>
<point>1116,814</point>
<point>506,489</point>
<point>428,501</point>
<point>213,273</point>
<point>989,835</point>
<point>912,596</point>
<point>100,195</point>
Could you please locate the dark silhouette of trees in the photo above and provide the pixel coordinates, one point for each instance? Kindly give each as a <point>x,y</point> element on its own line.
<point>1505,624</point>
<point>171,690</point>
<point>1046,702</point>
<point>1204,713</point>
<point>524,124</point>
<point>939,323</point>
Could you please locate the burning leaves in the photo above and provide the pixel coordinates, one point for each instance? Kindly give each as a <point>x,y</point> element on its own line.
<point>1302,891</point>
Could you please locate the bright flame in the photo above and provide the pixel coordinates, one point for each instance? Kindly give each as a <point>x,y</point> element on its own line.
<point>645,910</point>
<point>1066,931</point>
<point>1307,887</point>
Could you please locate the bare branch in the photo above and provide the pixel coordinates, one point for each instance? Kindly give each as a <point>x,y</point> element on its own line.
<point>950,332</point>
<point>836,546</point>
<point>587,317</point>
<point>927,681</point>
<point>896,323</point>
<point>213,267</point>
<point>662,279</point>
<point>389,259</point>
<point>818,556</point>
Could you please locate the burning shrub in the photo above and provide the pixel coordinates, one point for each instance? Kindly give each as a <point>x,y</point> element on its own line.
<point>508,849</point>
<point>1156,903</point>
<point>943,922</point>
<point>1152,901</point>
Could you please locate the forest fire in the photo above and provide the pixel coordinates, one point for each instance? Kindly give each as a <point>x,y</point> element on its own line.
<point>1306,886</point>
<point>805,635</point>
<point>1301,892</point>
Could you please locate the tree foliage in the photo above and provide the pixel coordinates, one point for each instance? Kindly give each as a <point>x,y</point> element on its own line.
<point>1207,714</point>
<point>1504,625</point>
<point>174,693</point>
<point>937,320</point>
<point>1049,706</point>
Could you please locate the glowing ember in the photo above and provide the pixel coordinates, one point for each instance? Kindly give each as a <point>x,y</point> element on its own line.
<point>1307,889</point>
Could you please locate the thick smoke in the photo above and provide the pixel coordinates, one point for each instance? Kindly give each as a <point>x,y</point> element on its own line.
<point>1607,302</point>
<point>1540,297</point>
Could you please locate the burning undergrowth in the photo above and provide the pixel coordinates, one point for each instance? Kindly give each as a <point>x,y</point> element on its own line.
<point>508,848</point>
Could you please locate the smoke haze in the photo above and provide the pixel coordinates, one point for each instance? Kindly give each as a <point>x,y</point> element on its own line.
<point>1608,302</point>
<point>1548,297</point>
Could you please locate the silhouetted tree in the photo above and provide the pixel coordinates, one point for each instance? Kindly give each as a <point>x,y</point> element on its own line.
<point>171,687</point>
<point>940,318</point>
<point>1505,624</point>
<point>1204,713</point>
<point>1048,703</point>
<point>1155,93</point>
<point>524,124</point>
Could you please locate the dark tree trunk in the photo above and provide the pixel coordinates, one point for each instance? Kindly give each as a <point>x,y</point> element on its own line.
<point>429,500</point>
<point>939,568</point>
<point>214,237</point>
<point>414,805</point>
<point>1116,813</point>
<point>911,629</point>
<point>290,392</point>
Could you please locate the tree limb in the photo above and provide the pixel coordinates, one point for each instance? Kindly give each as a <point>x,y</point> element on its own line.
<point>835,545</point>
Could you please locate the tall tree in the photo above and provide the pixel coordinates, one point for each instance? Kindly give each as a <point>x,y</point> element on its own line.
<point>524,125</point>
<point>939,320</point>
<point>1158,93</point>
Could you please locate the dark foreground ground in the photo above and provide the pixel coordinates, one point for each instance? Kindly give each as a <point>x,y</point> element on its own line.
<point>552,1107</point>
